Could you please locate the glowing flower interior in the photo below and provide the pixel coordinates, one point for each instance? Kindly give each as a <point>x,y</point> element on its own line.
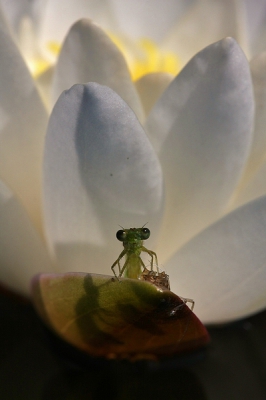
<point>106,161</point>
<point>143,56</point>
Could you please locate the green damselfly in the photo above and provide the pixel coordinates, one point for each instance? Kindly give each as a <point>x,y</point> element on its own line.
<point>132,239</point>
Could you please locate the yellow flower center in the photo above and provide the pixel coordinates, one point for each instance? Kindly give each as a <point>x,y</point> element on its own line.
<point>144,57</point>
<point>38,64</point>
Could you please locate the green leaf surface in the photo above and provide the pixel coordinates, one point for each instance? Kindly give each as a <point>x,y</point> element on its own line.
<point>117,319</point>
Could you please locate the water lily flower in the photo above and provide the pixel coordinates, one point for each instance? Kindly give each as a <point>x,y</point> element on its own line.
<point>40,26</point>
<point>183,168</point>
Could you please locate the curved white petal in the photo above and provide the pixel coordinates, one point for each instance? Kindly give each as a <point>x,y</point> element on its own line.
<point>100,171</point>
<point>253,182</point>
<point>258,150</point>
<point>23,122</point>
<point>206,22</point>
<point>256,18</point>
<point>14,11</point>
<point>255,188</point>
<point>89,55</point>
<point>5,24</point>
<point>224,268</point>
<point>44,84</point>
<point>202,130</point>
<point>135,19</point>
<point>150,87</point>
<point>23,254</point>
<point>149,18</point>
<point>59,15</point>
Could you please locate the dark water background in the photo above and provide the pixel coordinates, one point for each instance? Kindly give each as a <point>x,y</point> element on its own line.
<point>36,365</point>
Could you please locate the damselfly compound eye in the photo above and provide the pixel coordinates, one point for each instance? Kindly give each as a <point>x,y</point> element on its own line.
<point>121,235</point>
<point>145,233</point>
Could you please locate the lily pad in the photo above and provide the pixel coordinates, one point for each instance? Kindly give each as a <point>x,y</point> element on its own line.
<point>117,319</point>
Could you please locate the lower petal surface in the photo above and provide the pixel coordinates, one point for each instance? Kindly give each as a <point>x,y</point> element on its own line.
<point>224,268</point>
<point>128,318</point>
<point>23,254</point>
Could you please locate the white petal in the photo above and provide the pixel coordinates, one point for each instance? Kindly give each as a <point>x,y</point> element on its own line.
<point>206,22</point>
<point>23,254</point>
<point>89,55</point>
<point>150,87</point>
<point>44,84</point>
<point>224,268</point>
<point>202,127</point>
<point>59,15</point>
<point>100,171</point>
<point>255,188</point>
<point>4,20</point>
<point>258,150</point>
<point>253,182</point>
<point>149,18</point>
<point>132,18</point>
<point>14,11</point>
<point>256,18</point>
<point>23,122</point>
